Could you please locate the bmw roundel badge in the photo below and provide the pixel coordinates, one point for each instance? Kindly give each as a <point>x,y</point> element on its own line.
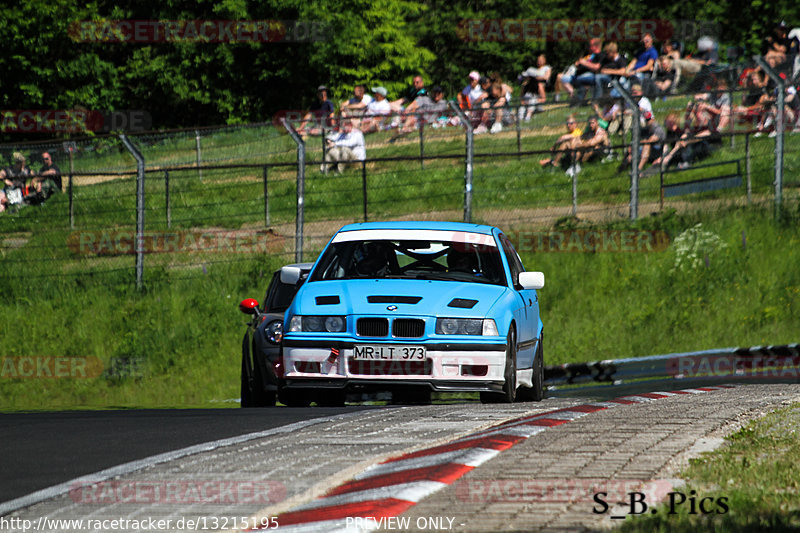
<point>391,308</point>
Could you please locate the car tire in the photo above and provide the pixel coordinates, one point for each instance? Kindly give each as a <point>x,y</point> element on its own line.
<point>509,393</point>
<point>252,392</point>
<point>537,392</point>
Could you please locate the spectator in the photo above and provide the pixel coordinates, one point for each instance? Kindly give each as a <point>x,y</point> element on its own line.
<point>534,80</point>
<point>494,110</point>
<point>321,112</point>
<point>343,147</point>
<point>612,66</point>
<point>671,49</point>
<point>711,111</point>
<point>14,179</point>
<point>664,79</point>
<point>417,89</point>
<point>46,183</point>
<point>593,144</point>
<point>357,105</point>
<point>703,63</point>
<point>777,44</point>
<point>429,109</point>
<point>585,69</point>
<point>377,111</point>
<point>642,66</point>
<point>507,90</point>
<point>562,143</point>
<point>473,93</point>
<point>652,143</point>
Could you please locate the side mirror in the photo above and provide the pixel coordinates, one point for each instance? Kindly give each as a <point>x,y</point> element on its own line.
<point>531,280</point>
<point>249,306</point>
<point>290,275</point>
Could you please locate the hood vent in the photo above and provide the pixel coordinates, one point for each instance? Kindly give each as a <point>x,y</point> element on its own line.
<point>327,300</point>
<point>394,299</point>
<point>462,303</point>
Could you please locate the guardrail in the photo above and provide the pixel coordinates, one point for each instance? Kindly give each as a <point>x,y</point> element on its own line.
<point>761,362</point>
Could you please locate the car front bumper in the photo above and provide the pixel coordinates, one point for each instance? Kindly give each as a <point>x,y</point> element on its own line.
<point>447,366</point>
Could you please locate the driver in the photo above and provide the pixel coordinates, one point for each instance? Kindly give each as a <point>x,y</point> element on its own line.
<point>374,260</point>
<point>459,261</point>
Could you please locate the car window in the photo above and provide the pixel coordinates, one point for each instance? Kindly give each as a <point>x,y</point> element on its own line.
<point>417,259</point>
<point>279,295</point>
<point>514,262</point>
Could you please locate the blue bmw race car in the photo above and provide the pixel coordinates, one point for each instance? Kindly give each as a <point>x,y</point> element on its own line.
<point>410,308</point>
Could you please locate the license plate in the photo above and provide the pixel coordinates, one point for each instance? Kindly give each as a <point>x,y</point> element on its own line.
<point>377,352</point>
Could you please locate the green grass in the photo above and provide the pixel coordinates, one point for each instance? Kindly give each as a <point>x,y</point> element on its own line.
<point>757,473</point>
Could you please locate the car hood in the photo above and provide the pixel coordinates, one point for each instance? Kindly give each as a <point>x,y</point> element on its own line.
<point>412,297</point>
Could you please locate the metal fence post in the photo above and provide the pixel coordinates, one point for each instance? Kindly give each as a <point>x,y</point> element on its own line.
<point>421,141</point>
<point>199,156</point>
<point>301,185</point>
<point>575,184</point>
<point>266,198</point>
<point>635,144</point>
<point>470,156</point>
<point>748,168</point>
<point>779,127</point>
<point>166,199</point>
<point>139,207</point>
<point>364,186</point>
<point>71,190</point>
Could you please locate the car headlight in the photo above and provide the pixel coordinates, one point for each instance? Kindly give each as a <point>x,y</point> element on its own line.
<point>330,324</point>
<point>274,332</point>
<point>465,326</point>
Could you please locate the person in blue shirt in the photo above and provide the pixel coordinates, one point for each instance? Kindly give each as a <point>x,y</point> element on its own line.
<point>642,66</point>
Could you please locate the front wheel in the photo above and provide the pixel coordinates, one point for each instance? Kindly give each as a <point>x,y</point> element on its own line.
<point>509,392</point>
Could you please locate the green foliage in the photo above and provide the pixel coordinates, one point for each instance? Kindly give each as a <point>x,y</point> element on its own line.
<point>181,84</point>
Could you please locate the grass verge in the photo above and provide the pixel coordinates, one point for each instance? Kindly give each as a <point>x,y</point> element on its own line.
<point>757,473</point>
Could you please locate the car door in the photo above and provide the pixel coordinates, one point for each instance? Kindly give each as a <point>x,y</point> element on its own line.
<point>528,319</point>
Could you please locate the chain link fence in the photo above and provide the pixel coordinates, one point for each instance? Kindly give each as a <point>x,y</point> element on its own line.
<point>221,201</point>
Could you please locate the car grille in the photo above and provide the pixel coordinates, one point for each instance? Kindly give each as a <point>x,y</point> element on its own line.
<point>372,327</point>
<point>408,327</point>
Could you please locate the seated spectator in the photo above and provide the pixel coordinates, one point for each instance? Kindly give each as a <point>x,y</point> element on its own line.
<point>704,62</point>
<point>563,142</point>
<point>377,111</point>
<point>346,146</point>
<point>46,183</point>
<point>585,69</point>
<point>473,93</point>
<point>612,66</point>
<point>641,67</point>
<point>507,90</point>
<point>594,143</point>
<point>14,179</point>
<point>652,141</point>
<point>777,44</point>
<point>671,49</point>
<point>664,79</point>
<point>429,110</point>
<point>495,110</point>
<point>417,89</point>
<point>711,111</point>
<point>320,112</point>
<point>536,79</point>
<point>357,105</point>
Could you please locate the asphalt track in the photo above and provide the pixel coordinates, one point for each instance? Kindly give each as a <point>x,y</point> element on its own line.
<point>38,450</point>
<point>315,463</point>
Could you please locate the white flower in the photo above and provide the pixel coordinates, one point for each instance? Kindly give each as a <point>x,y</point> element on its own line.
<point>693,246</point>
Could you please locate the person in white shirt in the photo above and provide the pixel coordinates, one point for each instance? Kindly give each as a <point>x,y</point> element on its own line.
<point>357,105</point>
<point>377,111</point>
<point>343,147</point>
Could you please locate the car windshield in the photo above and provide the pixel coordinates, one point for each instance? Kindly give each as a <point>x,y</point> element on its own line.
<point>418,259</point>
